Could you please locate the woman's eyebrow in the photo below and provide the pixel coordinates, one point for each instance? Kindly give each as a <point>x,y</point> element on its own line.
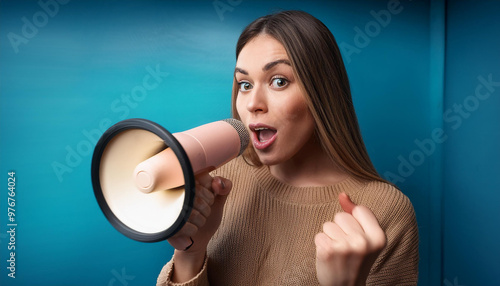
<point>267,67</point>
<point>270,65</point>
<point>237,69</point>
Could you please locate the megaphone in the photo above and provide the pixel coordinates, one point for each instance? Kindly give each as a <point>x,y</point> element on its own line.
<point>143,176</point>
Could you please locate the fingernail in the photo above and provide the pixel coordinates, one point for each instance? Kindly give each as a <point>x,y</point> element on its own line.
<point>192,242</point>
<point>222,183</point>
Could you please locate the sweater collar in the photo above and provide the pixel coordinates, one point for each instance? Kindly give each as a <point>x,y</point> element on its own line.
<point>305,195</point>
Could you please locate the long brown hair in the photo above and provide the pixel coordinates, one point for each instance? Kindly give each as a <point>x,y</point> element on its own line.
<point>318,65</point>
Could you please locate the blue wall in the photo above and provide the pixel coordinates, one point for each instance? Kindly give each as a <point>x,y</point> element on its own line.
<point>69,71</point>
<point>472,154</point>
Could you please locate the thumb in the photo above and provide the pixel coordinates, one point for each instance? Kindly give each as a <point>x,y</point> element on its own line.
<point>205,179</point>
<point>221,186</point>
<point>346,203</point>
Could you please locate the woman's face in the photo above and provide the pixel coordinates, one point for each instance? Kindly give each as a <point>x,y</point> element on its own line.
<point>270,102</point>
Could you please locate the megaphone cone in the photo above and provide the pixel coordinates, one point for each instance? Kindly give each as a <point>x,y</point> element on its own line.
<point>144,177</point>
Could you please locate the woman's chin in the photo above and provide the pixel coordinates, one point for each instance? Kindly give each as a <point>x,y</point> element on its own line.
<point>269,159</point>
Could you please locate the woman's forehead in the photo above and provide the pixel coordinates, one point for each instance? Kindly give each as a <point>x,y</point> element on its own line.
<point>259,51</point>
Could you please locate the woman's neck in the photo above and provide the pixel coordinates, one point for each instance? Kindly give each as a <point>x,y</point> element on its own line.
<point>312,167</point>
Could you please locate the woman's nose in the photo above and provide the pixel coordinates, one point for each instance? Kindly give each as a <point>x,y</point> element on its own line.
<point>257,101</point>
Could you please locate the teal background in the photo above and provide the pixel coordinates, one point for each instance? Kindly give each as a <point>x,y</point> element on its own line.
<point>71,79</point>
<point>471,216</point>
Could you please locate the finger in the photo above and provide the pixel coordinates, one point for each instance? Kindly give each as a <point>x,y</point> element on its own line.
<point>189,246</point>
<point>202,206</point>
<point>348,223</point>
<point>346,203</point>
<point>333,231</point>
<point>368,221</point>
<point>205,194</point>
<point>322,241</point>
<point>221,186</point>
<point>327,248</point>
<point>189,229</point>
<point>205,180</point>
<point>180,242</point>
<point>197,218</point>
<point>181,239</point>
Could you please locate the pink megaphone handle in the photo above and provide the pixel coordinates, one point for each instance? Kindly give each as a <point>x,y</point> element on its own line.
<point>208,147</point>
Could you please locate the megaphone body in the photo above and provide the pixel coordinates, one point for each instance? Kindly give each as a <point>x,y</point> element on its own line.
<point>143,176</point>
<point>207,147</point>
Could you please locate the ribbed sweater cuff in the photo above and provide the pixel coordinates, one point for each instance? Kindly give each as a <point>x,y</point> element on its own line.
<point>165,277</point>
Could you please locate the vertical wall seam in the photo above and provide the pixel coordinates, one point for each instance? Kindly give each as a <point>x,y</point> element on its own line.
<point>436,90</point>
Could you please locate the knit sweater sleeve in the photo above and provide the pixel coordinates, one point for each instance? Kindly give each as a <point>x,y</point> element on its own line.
<point>398,262</point>
<point>164,279</point>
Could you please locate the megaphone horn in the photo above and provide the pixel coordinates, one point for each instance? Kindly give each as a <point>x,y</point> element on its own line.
<point>144,177</point>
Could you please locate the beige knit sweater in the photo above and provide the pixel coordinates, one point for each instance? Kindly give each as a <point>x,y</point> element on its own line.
<point>267,232</point>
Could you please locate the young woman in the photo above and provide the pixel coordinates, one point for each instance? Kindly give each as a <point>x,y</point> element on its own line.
<point>282,213</point>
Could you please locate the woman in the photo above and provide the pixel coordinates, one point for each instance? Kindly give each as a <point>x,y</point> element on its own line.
<point>290,219</point>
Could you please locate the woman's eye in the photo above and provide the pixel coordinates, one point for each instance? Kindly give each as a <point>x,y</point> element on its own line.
<point>245,86</point>
<point>279,82</point>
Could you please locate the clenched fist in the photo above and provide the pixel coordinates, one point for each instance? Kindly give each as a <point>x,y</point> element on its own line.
<point>348,247</point>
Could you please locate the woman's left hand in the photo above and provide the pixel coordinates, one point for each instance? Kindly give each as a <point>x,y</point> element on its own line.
<point>348,247</point>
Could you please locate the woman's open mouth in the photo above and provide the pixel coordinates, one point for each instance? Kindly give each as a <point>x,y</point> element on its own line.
<point>262,136</point>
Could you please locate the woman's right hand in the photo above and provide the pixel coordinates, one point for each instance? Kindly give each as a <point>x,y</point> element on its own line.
<point>191,241</point>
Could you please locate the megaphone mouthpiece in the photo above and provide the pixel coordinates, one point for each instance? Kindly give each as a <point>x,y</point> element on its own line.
<point>242,133</point>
